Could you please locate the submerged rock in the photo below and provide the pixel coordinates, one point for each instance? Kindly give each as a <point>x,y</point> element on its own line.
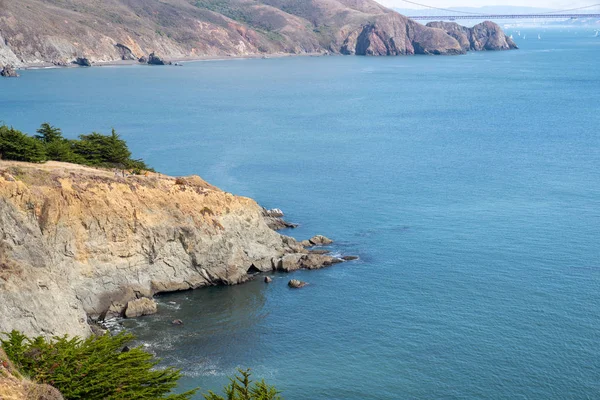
<point>9,72</point>
<point>177,322</point>
<point>296,284</point>
<point>268,279</point>
<point>320,240</point>
<point>349,258</point>
<point>140,307</point>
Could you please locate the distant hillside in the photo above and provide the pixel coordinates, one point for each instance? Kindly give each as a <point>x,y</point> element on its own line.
<point>479,10</point>
<point>58,31</point>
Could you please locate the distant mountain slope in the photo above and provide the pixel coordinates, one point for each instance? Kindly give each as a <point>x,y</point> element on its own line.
<point>58,31</point>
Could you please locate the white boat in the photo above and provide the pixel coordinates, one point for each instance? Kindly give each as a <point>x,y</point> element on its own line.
<point>539,37</point>
<point>524,37</point>
<point>596,35</point>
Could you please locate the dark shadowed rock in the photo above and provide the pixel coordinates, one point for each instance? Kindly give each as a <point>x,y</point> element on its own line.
<point>143,60</point>
<point>9,72</point>
<point>153,59</point>
<point>82,62</point>
<point>268,279</point>
<point>296,284</point>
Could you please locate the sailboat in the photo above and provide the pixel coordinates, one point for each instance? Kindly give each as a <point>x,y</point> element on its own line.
<point>539,37</point>
<point>596,35</point>
<point>524,37</point>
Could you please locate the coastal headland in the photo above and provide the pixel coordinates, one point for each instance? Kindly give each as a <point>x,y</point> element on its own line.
<point>41,33</point>
<point>79,244</point>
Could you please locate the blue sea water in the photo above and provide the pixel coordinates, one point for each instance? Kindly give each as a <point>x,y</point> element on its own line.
<point>469,186</point>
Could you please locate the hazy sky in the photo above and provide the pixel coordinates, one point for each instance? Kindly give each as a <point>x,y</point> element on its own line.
<point>559,4</point>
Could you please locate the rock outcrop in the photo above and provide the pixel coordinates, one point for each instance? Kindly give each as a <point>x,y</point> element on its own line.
<point>393,34</point>
<point>9,72</point>
<point>77,242</point>
<point>296,284</point>
<point>125,52</point>
<point>141,307</point>
<point>484,36</point>
<point>275,221</point>
<point>34,32</point>
<point>153,59</point>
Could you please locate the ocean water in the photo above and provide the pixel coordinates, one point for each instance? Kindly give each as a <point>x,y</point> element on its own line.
<point>469,186</point>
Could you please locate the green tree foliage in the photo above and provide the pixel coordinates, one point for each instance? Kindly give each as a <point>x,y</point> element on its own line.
<point>15,145</point>
<point>242,388</point>
<point>101,149</point>
<point>94,149</point>
<point>48,133</point>
<point>96,368</point>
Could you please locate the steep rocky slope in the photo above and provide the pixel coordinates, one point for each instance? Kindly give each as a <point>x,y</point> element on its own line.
<point>78,242</point>
<point>59,31</point>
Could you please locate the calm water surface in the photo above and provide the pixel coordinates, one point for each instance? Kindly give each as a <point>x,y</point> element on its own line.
<point>469,186</point>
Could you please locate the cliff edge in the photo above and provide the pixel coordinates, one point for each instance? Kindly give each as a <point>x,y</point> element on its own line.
<point>78,242</point>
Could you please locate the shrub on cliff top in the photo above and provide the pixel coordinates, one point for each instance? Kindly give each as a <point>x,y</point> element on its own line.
<point>96,368</point>
<point>94,149</point>
<point>15,145</point>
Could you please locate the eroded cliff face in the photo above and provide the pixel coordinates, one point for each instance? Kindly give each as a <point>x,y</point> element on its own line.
<point>484,36</point>
<point>76,241</point>
<point>36,32</point>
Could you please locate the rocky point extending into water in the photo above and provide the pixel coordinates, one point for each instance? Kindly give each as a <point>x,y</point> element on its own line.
<point>8,72</point>
<point>79,243</point>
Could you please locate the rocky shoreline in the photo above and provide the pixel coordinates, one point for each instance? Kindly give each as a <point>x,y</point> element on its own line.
<point>86,34</point>
<point>79,244</point>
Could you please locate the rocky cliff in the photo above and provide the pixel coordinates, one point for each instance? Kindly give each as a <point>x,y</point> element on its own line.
<point>78,242</point>
<point>41,32</point>
<point>484,36</point>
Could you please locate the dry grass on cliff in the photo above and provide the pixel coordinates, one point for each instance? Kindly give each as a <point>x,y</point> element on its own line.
<point>15,387</point>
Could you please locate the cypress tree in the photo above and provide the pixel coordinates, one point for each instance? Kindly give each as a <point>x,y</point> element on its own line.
<point>95,368</point>
<point>15,145</point>
<point>48,133</point>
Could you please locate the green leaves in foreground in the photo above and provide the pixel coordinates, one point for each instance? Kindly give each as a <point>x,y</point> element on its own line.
<point>242,388</point>
<point>93,368</point>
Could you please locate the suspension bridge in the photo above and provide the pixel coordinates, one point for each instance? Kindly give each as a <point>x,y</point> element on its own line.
<point>446,14</point>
